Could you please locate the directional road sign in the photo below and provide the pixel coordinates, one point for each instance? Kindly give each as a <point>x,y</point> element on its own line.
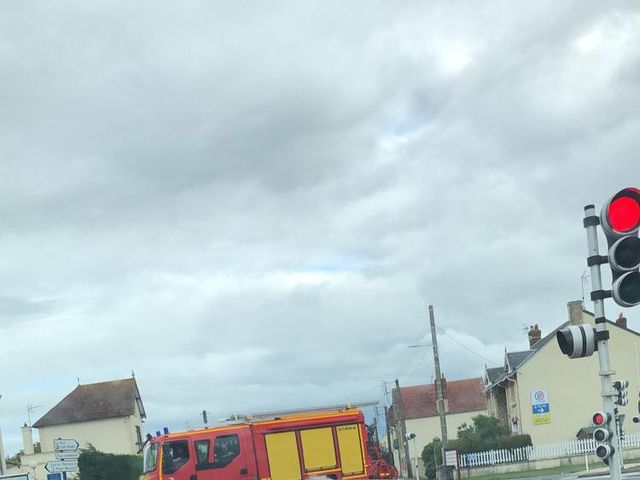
<point>61,466</point>
<point>61,444</point>
<point>68,455</point>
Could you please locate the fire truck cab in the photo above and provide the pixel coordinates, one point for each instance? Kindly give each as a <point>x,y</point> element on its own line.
<point>294,447</point>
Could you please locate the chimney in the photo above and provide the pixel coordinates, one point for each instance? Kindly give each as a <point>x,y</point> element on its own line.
<point>575,312</point>
<point>535,334</point>
<point>27,440</point>
<point>621,321</point>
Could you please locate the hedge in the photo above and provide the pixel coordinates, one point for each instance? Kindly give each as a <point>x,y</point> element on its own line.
<point>514,441</point>
<point>95,465</point>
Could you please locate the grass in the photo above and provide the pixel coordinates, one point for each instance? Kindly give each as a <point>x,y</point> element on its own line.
<point>533,473</point>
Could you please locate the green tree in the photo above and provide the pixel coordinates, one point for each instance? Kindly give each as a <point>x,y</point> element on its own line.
<point>432,457</point>
<point>485,433</point>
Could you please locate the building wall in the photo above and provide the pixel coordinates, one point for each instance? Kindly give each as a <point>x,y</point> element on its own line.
<point>426,429</point>
<point>114,435</point>
<point>34,465</point>
<point>573,386</point>
<point>497,404</point>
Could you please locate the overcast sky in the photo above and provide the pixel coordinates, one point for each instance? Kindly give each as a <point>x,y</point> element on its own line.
<point>252,204</point>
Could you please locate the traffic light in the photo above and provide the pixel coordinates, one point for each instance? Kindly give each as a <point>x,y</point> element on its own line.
<point>603,435</point>
<point>620,220</point>
<point>577,341</point>
<point>621,387</point>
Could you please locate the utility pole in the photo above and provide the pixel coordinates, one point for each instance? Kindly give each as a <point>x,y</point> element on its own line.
<point>386,423</point>
<point>3,465</point>
<point>439,392</point>
<point>403,433</point>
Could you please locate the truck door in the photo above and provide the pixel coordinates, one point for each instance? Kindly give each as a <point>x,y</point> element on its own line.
<point>221,456</point>
<point>178,462</point>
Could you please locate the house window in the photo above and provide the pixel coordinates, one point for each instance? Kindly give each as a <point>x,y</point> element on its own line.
<point>512,395</point>
<point>139,437</point>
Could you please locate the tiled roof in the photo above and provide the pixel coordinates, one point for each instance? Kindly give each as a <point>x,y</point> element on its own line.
<point>516,359</point>
<point>95,401</point>
<point>494,373</point>
<point>420,401</point>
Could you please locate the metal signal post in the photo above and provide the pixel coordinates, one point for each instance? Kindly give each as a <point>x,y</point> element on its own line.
<point>591,220</point>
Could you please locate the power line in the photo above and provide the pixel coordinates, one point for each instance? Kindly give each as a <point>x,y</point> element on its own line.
<point>466,348</point>
<point>350,397</point>
<point>419,364</point>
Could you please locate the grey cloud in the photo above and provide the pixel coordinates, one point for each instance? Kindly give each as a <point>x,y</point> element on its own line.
<point>259,203</point>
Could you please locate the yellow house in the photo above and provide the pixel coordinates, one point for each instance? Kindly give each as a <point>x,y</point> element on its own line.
<point>107,415</point>
<point>417,406</point>
<point>542,393</point>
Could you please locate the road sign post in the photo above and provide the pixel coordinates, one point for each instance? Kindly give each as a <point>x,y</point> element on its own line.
<point>66,451</point>
<point>61,466</point>
<point>65,444</point>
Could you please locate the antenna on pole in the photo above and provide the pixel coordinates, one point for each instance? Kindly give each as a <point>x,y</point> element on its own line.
<point>30,409</point>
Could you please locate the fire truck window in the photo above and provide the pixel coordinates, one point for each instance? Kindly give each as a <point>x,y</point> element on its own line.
<point>225,449</point>
<point>174,455</point>
<point>150,458</point>
<point>202,452</point>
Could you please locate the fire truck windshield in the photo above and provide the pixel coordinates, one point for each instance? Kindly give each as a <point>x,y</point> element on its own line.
<point>150,456</point>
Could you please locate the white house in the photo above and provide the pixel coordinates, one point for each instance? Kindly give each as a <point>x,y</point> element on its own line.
<point>417,407</point>
<point>107,415</point>
<point>571,388</point>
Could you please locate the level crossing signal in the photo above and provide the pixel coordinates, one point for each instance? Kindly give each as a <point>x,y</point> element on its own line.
<point>621,387</point>
<point>603,435</point>
<point>620,220</point>
<point>577,341</point>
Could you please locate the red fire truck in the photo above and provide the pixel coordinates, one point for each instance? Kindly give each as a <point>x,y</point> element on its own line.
<point>331,444</point>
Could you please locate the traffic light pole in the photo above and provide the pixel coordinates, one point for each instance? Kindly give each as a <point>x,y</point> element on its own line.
<point>591,221</point>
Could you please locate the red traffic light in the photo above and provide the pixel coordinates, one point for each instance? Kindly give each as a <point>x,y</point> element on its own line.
<point>622,214</point>
<point>600,418</point>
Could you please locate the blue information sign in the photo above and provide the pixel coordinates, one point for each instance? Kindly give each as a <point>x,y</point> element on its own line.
<point>540,408</point>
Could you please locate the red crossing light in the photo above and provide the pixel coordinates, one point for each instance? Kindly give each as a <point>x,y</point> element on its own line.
<point>620,221</point>
<point>600,418</point>
<point>622,214</point>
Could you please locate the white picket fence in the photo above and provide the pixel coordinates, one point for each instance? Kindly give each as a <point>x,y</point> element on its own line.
<point>540,452</point>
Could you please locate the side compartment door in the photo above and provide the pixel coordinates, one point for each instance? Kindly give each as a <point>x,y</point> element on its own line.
<point>221,456</point>
<point>283,456</point>
<point>351,450</point>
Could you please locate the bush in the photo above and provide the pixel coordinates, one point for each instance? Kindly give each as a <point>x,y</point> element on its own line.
<point>432,457</point>
<point>483,434</point>
<point>95,465</point>
<point>515,441</point>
